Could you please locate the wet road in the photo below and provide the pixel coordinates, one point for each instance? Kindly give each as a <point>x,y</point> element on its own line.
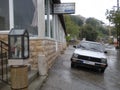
<point>62,77</point>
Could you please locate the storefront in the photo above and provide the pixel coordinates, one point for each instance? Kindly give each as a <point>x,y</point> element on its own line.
<point>46,30</point>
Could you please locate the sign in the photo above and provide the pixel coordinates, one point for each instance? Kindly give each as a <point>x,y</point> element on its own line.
<point>64,8</point>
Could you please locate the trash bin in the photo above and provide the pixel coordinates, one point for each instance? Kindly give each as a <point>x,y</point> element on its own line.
<point>19,77</point>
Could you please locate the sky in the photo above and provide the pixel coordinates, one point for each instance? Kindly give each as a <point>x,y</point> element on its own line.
<point>93,8</point>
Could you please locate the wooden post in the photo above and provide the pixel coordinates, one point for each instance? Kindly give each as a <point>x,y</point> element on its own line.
<point>19,77</point>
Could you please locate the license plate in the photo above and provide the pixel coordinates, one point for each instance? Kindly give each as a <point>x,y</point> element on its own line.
<point>89,62</point>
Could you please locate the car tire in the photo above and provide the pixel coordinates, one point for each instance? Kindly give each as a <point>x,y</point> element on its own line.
<point>102,70</point>
<point>72,65</point>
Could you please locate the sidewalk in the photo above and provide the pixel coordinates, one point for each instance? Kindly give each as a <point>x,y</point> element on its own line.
<point>35,81</point>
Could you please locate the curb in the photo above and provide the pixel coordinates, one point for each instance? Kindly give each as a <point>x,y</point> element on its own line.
<point>37,83</point>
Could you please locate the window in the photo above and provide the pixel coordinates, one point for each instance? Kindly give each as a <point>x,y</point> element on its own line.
<point>51,26</point>
<point>25,16</point>
<point>49,32</point>
<point>46,19</point>
<point>4,14</point>
<point>46,27</point>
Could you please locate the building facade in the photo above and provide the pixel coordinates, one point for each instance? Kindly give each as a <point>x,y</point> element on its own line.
<point>46,30</point>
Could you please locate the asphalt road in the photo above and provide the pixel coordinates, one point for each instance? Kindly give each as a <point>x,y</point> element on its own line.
<point>62,77</point>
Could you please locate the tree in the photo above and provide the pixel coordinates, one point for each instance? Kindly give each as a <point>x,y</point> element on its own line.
<point>71,27</point>
<point>114,17</point>
<point>103,31</point>
<point>77,20</point>
<point>92,21</point>
<point>75,26</point>
<point>98,26</point>
<point>88,32</point>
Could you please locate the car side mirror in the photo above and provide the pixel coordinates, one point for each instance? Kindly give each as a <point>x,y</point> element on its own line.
<point>105,52</point>
<point>74,46</point>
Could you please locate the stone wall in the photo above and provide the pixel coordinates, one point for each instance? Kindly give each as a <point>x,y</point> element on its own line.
<point>62,47</point>
<point>41,47</point>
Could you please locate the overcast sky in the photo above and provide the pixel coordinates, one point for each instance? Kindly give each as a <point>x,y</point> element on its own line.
<point>93,8</point>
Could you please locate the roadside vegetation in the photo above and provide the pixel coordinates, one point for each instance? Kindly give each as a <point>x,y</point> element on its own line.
<point>91,29</point>
<point>113,16</point>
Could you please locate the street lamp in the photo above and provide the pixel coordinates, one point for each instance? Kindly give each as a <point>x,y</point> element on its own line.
<point>18,41</point>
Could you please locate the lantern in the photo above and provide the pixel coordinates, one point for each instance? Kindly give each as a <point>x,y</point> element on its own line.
<point>18,41</point>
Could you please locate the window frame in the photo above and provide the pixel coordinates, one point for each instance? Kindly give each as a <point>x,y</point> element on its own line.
<point>49,20</point>
<point>11,19</point>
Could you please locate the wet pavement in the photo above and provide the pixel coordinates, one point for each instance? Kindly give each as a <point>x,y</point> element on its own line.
<point>62,77</point>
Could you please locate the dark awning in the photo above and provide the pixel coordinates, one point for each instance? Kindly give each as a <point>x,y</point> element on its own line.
<point>61,17</point>
<point>56,1</point>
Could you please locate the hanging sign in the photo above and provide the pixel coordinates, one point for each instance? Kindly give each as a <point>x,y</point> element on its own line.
<point>64,8</point>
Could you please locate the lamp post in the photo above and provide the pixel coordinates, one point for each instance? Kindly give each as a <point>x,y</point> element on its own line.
<point>117,25</point>
<point>117,4</point>
<point>118,32</point>
<point>18,40</point>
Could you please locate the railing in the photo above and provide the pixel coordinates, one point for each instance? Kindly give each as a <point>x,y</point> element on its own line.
<point>3,61</point>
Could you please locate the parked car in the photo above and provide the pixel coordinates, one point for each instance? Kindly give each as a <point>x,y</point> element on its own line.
<point>90,54</point>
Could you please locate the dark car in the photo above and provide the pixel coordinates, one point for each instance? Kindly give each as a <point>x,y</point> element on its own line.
<point>90,54</point>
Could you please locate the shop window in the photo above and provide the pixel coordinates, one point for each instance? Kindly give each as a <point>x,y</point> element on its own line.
<point>46,27</point>
<point>4,14</point>
<point>25,16</point>
<point>51,26</point>
<point>48,19</point>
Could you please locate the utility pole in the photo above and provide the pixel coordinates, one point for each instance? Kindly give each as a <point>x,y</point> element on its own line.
<point>109,33</point>
<point>117,4</point>
<point>118,32</point>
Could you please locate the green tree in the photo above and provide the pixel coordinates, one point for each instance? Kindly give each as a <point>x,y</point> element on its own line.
<point>88,32</point>
<point>114,17</point>
<point>74,27</point>
<point>77,20</point>
<point>92,21</point>
<point>71,27</point>
<point>113,31</point>
<point>103,31</point>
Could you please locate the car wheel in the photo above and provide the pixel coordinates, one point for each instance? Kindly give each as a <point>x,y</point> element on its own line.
<point>72,65</point>
<point>102,70</point>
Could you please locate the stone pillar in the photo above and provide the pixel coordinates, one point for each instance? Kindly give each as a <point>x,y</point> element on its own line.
<point>42,65</point>
<point>19,77</point>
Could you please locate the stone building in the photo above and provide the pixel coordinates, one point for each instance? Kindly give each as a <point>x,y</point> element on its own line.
<point>46,30</point>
